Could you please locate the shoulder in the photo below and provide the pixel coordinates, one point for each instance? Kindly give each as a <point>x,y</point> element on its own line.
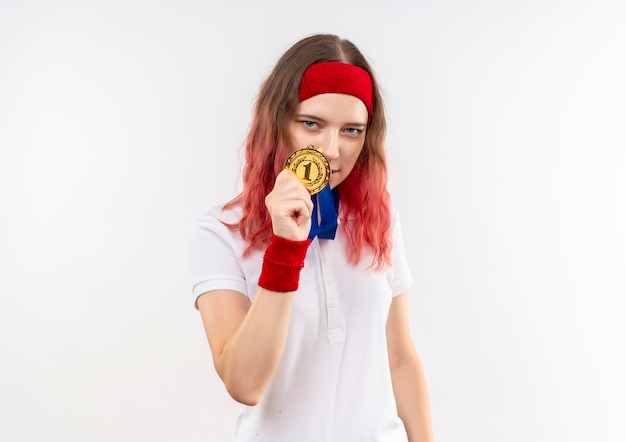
<point>218,227</point>
<point>394,219</point>
<point>217,248</point>
<point>217,216</point>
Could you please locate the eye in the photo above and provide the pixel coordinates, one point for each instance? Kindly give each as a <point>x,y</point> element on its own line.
<point>310,124</point>
<point>353,131</point>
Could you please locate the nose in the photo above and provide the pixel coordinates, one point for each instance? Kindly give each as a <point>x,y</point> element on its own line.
<point>330,148</point>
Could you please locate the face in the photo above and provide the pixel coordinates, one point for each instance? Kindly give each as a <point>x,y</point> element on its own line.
<point>336,123</point>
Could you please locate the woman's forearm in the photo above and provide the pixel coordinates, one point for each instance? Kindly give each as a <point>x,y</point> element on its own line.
<point>411,393</point>
<point>250,357</point>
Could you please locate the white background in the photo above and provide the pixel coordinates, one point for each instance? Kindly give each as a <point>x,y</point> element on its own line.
<point>121,121</point>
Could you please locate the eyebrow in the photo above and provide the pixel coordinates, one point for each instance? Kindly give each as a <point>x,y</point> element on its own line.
<point>316,118</point>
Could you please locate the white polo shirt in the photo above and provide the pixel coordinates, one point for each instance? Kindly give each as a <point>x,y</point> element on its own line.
<point>333,382</point>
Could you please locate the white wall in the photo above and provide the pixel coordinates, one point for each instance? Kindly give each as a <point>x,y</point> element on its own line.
<point>121,121</point>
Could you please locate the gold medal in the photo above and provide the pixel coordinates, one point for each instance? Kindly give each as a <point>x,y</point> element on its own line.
<point>311,167</point>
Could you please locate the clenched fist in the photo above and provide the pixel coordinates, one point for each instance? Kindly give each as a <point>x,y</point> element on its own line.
<point>289,205</point>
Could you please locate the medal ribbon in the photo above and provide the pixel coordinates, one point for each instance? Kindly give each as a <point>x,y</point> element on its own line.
<point>326,205</point>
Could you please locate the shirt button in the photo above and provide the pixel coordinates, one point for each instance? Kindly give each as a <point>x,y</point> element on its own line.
<point>331,304</point>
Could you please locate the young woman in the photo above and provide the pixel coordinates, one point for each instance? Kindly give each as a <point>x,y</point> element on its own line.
<point>303,297</point>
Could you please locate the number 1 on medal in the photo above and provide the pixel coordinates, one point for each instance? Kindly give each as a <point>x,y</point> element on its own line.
<point>307,172</point>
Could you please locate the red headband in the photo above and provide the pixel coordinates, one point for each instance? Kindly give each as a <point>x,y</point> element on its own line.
<point>340,78</point>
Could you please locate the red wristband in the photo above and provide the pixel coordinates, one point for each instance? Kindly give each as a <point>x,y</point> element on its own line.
<point>282,263</point>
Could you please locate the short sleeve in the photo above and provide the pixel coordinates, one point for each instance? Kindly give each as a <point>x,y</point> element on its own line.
<point>401,279</point>
<point>215,256</point>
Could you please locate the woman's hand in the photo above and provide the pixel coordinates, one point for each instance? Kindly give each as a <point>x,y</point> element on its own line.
<point>289,205</point>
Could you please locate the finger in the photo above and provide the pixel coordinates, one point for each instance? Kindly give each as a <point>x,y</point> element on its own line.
<point>287,179</point>
<point>288,187</point>
<point>296,208</point>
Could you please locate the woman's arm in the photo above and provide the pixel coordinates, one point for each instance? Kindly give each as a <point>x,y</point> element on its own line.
<point>246,340</point>
<point>407,374</point>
